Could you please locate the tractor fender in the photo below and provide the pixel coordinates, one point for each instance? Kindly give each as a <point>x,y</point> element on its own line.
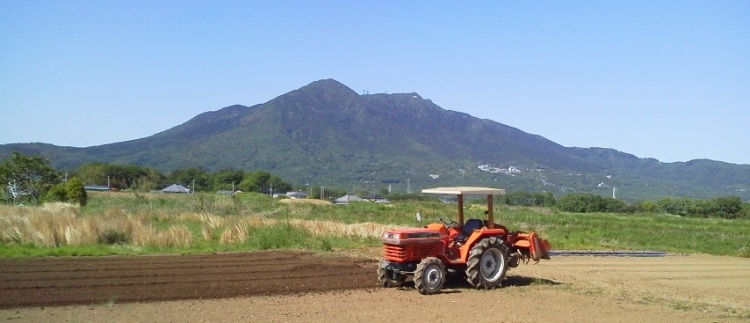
<point>477,236</point>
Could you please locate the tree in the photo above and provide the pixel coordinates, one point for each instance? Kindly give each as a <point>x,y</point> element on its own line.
<point>588,203</point>
<point>227,179</point>
<point>262,181</point>
<point>120,176</point>
<point>676,206</point>
<point>151,180</point>
<point>125,176</point>
<point>576,202</point>
<point>729,207</point>
<point>648,206</point>
<point>71,191</point>
<point>93,173</point>
<point>255,181</point>
<point>529,199</point>
<point>27,176</point>
<point>76,193</point>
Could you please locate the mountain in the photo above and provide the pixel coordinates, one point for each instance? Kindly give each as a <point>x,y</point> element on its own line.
<point>327,134</point>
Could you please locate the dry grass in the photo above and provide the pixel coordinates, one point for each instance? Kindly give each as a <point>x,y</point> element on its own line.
<point>331,228</point>
<point>50,225</point>
<point>60,224</point>
<point>236,233</point>
<point>305,202</point>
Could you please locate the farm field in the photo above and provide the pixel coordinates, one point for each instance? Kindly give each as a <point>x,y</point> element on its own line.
<point>297,286</point>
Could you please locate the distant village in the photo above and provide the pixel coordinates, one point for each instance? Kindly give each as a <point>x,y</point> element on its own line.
<point>494,170</point>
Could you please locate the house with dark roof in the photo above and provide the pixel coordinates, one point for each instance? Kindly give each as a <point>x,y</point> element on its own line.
<point>375,198</point>
<point>98,188</point>
<point>348,198</point>
<point>175,188</point>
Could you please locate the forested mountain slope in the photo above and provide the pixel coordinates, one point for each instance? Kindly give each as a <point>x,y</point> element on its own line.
<point>326,134</point>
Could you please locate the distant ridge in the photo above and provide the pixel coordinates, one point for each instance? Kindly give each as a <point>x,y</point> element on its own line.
<point>325,133</point>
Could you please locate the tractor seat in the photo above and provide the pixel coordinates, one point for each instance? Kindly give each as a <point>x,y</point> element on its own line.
<point>468,228</point>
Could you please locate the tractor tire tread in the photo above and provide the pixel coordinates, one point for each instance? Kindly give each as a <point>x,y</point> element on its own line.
<point>473,271</point>
<point>419,272</point>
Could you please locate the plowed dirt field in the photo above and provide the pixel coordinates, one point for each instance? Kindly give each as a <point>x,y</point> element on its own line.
<point>293,286</point>
<point>92,280</point>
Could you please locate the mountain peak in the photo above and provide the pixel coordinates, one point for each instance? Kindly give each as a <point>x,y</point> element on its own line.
<point>327,82</point>
<point>328,85</point>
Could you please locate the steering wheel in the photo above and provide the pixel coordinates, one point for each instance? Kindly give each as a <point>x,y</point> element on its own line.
<point>449,223</point>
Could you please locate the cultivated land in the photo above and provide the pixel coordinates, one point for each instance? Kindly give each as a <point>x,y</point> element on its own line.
<point>212,274</point>
<point>294,286</point>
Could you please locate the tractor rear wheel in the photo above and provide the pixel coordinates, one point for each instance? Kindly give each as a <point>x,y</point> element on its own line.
<point>429,277</point>
<point>487,263</point>
<point>389,278</point>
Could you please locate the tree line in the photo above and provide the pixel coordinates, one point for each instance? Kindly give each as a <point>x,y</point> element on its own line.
<point>729,207</point>
<point>32,179</point>
<point>133,177</point>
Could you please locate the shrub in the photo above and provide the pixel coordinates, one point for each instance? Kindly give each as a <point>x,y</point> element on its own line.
<point>71,191</point>
<point>57,193</point>
<point>528,199</point>
<point>730,207</point>
<point>589,203</point>
<point>75,192</point>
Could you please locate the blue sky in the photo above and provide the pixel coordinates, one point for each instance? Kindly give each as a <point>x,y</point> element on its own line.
<point>663,79</point>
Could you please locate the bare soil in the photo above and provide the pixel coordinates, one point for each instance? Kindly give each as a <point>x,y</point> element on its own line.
<point>295,286</point>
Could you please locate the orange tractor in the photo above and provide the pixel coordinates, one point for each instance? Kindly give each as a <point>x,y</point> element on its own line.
<point>480,249</point>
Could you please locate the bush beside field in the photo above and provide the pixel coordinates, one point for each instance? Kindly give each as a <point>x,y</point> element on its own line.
<point>134,223</point>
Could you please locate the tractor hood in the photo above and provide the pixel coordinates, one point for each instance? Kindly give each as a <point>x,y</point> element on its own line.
<point>411,236</point>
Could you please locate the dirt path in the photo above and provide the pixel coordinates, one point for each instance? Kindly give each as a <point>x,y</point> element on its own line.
<point>303,287</point>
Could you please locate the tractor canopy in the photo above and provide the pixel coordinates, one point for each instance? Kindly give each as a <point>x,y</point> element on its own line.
<point>460,191</point>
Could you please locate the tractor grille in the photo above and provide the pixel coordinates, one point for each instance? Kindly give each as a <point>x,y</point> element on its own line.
<point>409,252</point>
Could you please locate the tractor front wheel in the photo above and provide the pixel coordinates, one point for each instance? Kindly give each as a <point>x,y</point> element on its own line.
<point>429,277</point>
<point>487,263</point>
<point>389,278</point>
